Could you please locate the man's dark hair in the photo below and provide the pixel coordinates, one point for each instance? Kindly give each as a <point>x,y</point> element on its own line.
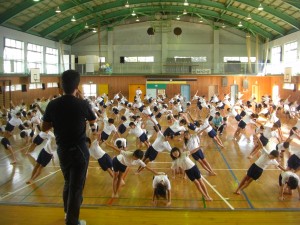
<point>70,81</point>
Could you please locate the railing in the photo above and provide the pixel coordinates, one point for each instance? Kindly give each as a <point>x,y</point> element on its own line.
<point>157,68</point>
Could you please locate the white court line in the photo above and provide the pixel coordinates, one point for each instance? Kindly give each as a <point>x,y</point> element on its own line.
<point>224,199</point>
<point>14,152</point>
<point>11,193</point>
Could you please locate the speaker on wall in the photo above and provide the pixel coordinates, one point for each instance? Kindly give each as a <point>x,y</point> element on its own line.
<point>224,81</point>
<point>122,59</point>
<point>23,88</point>
<point>58,85</point>
<point>43,86</point>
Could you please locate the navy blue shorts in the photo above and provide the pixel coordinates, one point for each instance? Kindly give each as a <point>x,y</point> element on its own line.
<point>122,129</point>
<point>192,126</point>
<point>243,113</point>
<point>151,153</point>
<point>143,137</point>
<point>38,140</point>
<point>242,124</point>
<point>263,140</point>
<point>158,115</point>
<point>193,173</point>
<point>254,171</point>
<point>169,132</point>
<point>9,127</point>
<point>212,133</point>
<point>5,142</point>
<point>238,117</point>
<point>104,136</point>
<point>278,123</point>
<point>293,162</point>
<point>105,162</point>
<point>44,158</point>
<point>117,166</point>
<point>198,155</point>
<point>159,127</point>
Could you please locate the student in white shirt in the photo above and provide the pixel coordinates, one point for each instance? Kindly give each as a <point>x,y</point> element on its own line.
<point>257,168</point>
<point>104,160</point>
<point>288,181</point>
<point>121,162</point>
<point>161,188</point>
<point>192,142</point>
<point>43,159</point>
<point>182,160</point>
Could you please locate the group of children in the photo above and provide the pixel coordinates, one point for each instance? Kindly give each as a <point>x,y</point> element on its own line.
<point>139,123</point>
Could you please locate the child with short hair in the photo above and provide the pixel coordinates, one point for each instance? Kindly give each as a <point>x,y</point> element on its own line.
<point>257,168</point>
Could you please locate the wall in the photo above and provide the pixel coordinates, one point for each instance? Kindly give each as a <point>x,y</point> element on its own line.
<point>27,38</point>
<point>196,40</point>
<point>121,83</point>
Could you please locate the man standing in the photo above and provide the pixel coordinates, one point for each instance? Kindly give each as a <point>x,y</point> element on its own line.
<point>68,115</point>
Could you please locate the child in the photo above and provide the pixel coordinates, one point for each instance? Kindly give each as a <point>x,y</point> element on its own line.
<point>288,181</point>
<point>108,129</point>
<point>137,131</point>
<point>190,169</point>
<point>104,160</point>
<point>257,168</point>
<point>120,164</point>
<point>5,142</point>
<point>161,188</point>
<point>43,159</point>
<point>192,142</point>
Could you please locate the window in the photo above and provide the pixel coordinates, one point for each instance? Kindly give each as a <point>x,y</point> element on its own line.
<point>288,86</point>
<point>13,56</point>
<point>32,86</point>
<point>276,55</point>
<point>290,52</point>
<point>35,57</point>
<point>102,59</point>
<point>89,90</point>
<point>189,59</point>
<point>52,85</point>
<point>139,59</point>
<point>51,60</point>
<point>238,59</point>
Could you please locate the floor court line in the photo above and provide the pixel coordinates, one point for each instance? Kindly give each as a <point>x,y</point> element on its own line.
<point>11,193</point>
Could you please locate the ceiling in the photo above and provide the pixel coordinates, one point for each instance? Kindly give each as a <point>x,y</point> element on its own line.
<point>278,17</point>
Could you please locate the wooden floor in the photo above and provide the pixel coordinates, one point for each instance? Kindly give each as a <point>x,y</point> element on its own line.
<point>35,203</point>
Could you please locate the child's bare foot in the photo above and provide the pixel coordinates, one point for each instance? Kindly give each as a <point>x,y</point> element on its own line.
<point>237,192</point>
<point>212,173</point>
<point>250,157</point>
<point>122,182</point>
<point>208,198</point>
<point>13,162</point>
<point>115,195</point>
<point>29,182</point>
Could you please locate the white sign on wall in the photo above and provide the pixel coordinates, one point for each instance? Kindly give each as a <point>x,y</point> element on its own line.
<point>287,75</point>
<point>35,75</point>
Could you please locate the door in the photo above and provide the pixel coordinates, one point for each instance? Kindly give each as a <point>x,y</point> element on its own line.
<point>133,88</point>
<point>234,89</point>
<point>255,92</point>
<point>185,91</point>
<point>212,89</point>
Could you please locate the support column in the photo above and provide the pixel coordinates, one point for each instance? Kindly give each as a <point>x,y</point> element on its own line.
<point>164,50</point>
<point>110,51</point>
<point>216,51</point>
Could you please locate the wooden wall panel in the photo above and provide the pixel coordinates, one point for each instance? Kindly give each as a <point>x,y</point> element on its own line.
<point>121,83</point>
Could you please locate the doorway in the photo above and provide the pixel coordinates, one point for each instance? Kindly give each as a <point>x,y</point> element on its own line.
<point>212,89</point>
<point>185,92</point>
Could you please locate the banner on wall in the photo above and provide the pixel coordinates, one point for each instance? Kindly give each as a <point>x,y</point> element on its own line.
<point>35,75</point>
<point>287,75</point>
